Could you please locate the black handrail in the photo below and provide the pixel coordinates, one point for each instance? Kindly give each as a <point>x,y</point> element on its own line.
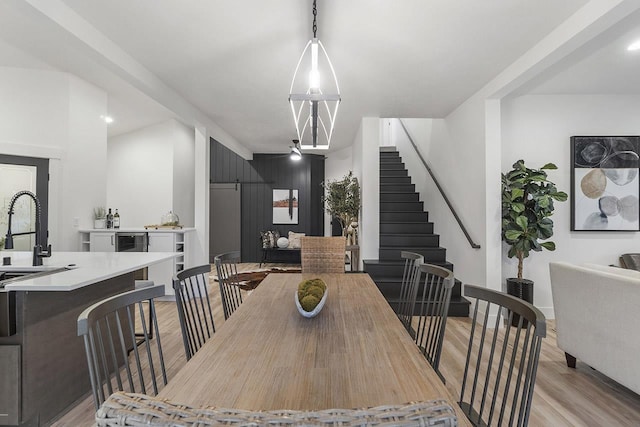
<point>444,196</point>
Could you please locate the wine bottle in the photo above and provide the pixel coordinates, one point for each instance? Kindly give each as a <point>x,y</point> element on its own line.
<point>116,220</point>
<point>109,219</point>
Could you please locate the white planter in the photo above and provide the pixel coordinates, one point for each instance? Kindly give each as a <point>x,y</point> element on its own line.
<point>316,310</point>
<point>99,223</point>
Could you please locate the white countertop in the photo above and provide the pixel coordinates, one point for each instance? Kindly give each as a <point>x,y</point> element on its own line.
<point>136,230</point>
<point>85,268</point>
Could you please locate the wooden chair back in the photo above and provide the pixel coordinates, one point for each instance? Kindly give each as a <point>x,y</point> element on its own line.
<point>322,254</point>
<point>500,370</point>
<point>433,308</point>
<point>408,287</point>
<point>227,268</point>
<point>115,360</point>
<point>191,288</point>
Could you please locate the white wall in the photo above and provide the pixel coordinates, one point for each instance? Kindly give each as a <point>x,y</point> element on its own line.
<point>537,128</point>
<point>140,175</point>
<point>55,115</point>
<point>336,165</point>
<point>150,172</point>
<point>183,173</point>
<point>366,167</point>
<point>456,160</point>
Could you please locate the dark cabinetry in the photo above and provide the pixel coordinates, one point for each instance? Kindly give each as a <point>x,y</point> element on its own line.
<point>10,384</point>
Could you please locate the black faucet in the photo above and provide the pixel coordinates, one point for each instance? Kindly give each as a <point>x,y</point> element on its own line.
<point>38,252</point>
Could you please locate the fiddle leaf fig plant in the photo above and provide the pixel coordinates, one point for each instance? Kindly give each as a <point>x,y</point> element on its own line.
<point>527,204</point>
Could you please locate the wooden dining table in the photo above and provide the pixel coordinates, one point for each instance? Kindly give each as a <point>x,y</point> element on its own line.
<point>355,353</point>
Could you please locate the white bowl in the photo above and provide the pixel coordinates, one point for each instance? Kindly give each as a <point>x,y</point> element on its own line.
<point>316,310</point>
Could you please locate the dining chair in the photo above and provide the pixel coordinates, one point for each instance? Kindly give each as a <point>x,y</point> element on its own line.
<point>108,330</point>
<point>501,364</point>
<point>408,287</point>
<point>191,288</point>
<point>227,268</point>
<point>433,309</point>
<point>322,254</point>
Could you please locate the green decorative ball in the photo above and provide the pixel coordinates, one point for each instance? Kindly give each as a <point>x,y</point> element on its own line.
<point>309,302</point>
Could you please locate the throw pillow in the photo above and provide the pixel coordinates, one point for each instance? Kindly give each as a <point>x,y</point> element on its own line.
<point>294,240</point>
<point>266,239</point>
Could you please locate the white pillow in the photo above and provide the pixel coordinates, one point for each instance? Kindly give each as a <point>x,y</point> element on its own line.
<point>294,240</point>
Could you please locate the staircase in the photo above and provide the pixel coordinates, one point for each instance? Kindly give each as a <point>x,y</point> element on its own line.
<point>405,226</point>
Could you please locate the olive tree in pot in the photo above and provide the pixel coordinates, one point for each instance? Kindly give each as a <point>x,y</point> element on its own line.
<point>527,204</point>
<point>342,201</point>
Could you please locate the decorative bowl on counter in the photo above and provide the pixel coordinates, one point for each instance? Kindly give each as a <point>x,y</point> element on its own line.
<point>311,297</point>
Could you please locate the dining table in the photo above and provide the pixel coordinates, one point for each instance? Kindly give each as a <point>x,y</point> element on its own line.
<point>354,354</point>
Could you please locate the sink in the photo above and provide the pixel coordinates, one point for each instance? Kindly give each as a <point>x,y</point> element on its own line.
<point>8,299</point>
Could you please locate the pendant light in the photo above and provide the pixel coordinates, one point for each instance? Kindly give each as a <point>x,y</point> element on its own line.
<point>314,100</point>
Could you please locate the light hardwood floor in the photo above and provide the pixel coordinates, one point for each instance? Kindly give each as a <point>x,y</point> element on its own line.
<point>563,396</point>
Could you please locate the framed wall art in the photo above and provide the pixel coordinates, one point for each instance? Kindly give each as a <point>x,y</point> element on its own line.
<point>605,187</point>
<point>285,206</point>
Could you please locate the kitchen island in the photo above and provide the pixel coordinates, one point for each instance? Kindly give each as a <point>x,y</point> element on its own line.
<point>43,368</point>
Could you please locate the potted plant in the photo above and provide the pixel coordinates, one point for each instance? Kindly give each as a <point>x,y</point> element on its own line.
<point>527,204</point>
<point>342,200</point>
<point>99,217</point>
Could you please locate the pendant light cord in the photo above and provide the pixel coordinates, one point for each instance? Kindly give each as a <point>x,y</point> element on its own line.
<point>315,13</point>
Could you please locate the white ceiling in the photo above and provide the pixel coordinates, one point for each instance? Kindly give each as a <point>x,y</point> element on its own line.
<point>234,60</point>
<point>602,66</point>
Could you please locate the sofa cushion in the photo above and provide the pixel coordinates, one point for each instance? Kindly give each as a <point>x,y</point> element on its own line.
<point>294,240</point>
<point>269,238</point>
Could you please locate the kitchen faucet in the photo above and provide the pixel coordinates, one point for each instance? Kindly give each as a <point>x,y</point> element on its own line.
<point>38,253</point>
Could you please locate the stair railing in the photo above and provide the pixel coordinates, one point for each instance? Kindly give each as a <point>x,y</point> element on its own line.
<point>435,181</point>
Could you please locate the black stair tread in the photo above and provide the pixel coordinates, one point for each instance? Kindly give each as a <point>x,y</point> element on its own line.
<point>397,192</point>
<point>398,279</point>
<point>418,248</point>
<point>401,262</point>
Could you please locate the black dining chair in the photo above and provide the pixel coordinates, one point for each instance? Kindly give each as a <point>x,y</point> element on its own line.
<point>408,287</point>
<point>114,358</point>
<point>432,311</point>
<point>227,268</point>
<point>501,364</point>
<point>191,287</point>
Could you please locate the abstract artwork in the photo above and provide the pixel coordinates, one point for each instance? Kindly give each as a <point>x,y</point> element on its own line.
<point>605,184</point>
<point>285,206</point>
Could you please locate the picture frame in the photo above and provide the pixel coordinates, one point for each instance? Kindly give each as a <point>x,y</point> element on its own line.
<point>605,186</point>
<point>285,206</point>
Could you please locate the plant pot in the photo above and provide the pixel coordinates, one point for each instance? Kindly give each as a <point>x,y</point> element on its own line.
<point>523,289</point>
<point>99,223</point>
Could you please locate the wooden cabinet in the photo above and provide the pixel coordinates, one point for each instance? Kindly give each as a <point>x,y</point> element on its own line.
<point>102,242</point>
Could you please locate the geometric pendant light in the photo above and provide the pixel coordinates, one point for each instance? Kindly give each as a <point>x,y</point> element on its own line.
<point>314,95</point>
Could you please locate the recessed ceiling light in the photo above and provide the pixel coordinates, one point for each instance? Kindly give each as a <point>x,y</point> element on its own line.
<point>107,119</point>
<point>634,46</point>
